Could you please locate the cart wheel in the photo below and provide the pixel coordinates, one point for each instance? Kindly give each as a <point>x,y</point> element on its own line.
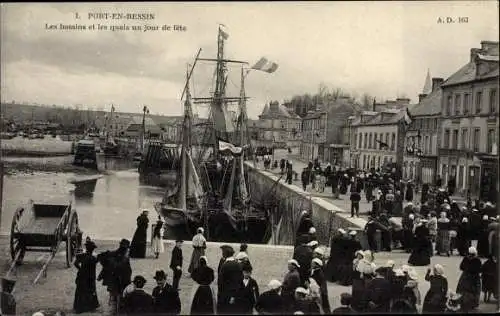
<point>73,240</point>
<point>15,237</point>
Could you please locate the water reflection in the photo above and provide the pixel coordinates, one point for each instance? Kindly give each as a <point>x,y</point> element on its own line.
<point>107,207</point>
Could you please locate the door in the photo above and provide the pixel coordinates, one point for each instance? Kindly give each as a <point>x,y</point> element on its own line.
<point>473,177</point>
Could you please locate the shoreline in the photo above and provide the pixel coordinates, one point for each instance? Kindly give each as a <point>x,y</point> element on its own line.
<point>32,153</point>
<point>17,167</point>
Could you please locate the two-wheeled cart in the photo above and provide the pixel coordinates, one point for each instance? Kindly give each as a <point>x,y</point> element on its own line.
<point>42,227</point>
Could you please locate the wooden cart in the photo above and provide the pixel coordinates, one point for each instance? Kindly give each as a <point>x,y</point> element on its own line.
<point>42,227</point>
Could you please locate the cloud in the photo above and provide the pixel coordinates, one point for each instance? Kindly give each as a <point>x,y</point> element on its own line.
<point>383,49</point>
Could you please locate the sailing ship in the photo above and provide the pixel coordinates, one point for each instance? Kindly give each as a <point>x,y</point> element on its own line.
<point>218,189</point>
<point>182,205</point>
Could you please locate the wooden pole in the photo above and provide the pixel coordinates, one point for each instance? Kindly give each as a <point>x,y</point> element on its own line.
<point>1,190</point>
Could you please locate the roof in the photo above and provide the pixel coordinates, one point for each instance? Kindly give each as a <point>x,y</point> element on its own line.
<point>468,73</point>
<point>280,111</point>
<point>487,57</point>
<point>393,119</point>
<point>430,105</point>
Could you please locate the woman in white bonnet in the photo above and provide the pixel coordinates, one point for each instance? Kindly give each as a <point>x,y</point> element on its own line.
<point>469,284</point>
<point>435,299</point>
<point>199,246</point>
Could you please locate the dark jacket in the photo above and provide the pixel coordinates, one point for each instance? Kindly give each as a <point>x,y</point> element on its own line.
<point>247,297</point>
<point>138,302</point>
<point>270,303</point>
<point>176,259</point>
<point>230,278</point>
<point>166,300</point>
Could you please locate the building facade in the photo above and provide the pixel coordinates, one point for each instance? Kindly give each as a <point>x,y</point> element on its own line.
<point>278,127</point>
<point>374,134</point>
<point>468,141</point>
<point>324,134</point>
<point>421,144</point>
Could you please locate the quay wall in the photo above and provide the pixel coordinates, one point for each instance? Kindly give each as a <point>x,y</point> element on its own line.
<point>289,201</point>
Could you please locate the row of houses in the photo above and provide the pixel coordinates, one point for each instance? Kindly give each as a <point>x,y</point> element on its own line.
<point>453,134</point>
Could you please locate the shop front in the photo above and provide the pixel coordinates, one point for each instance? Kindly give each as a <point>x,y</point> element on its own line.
<point>488,190</point>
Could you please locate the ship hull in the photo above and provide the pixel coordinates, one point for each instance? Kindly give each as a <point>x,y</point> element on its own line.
<point>254,229</point>
<point>178,225</point>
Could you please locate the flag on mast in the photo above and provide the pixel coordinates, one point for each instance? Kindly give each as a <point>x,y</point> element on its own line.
<point>265,65</point>
<point>408,118</point>
<point>224,35</point>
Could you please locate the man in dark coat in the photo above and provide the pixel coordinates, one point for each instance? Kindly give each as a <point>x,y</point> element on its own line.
<point>304,176</point>
<point>138,301</point>
<point>355,198</point>
<point>230,283</point>
<point>116,273</point>
<point>378,293</point>
<point>166,298</point>
<point>249,292</point>
<point>176,263</point>
<point>304,226</point>
<point>303,255</point>
<point>271,302</point>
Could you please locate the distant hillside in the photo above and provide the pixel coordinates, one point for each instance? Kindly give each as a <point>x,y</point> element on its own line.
<point>67,116</point>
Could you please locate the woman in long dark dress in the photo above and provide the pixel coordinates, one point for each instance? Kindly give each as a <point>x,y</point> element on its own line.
<point>138,244</point>
<point>422,247</point>
<point>203,302</point>
<point>85,294</point>
<point>435,299</point>
<point>469,284</point>
<point>483,249</point>
<point>489,278</point>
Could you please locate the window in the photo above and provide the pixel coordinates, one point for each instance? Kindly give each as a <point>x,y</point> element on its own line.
<point>479,99</point>
<point>491,140</point>
<point>466,104</point>
<point>387,140</point>
<point>464,144</point>
<point>369,140</point>
<point>444,171</point>
<point>430,146</point>
<point>457,103</point>
<point>454,140</point>
<point>477,139</point>
<point>493,101</point>
<point>393,141</point>
<point>448,106</point>
<point>426,145</point>
<point>360,140</point>
<point>446,138</point>
<point>365,145</point>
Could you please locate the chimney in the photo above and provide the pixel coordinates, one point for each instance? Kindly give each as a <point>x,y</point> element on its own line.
<point>473,53</point>
<point>274,106</point>
<point>421,97</point>
<point>436,83</point>
<point>402,101</point>
<point>489,48</point>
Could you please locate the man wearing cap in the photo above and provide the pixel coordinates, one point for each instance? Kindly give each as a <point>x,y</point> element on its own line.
<point>8,302</point>
<point>85,293</point>
<point>291,281</point>
<point>271,302</point>
<point>166,297</point>
<point>230,281</point>
<point>319,276</point>
<point>303,255</point>
<point>138,301</point>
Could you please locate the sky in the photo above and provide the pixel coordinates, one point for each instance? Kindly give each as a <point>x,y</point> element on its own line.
<point>381,48</point>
